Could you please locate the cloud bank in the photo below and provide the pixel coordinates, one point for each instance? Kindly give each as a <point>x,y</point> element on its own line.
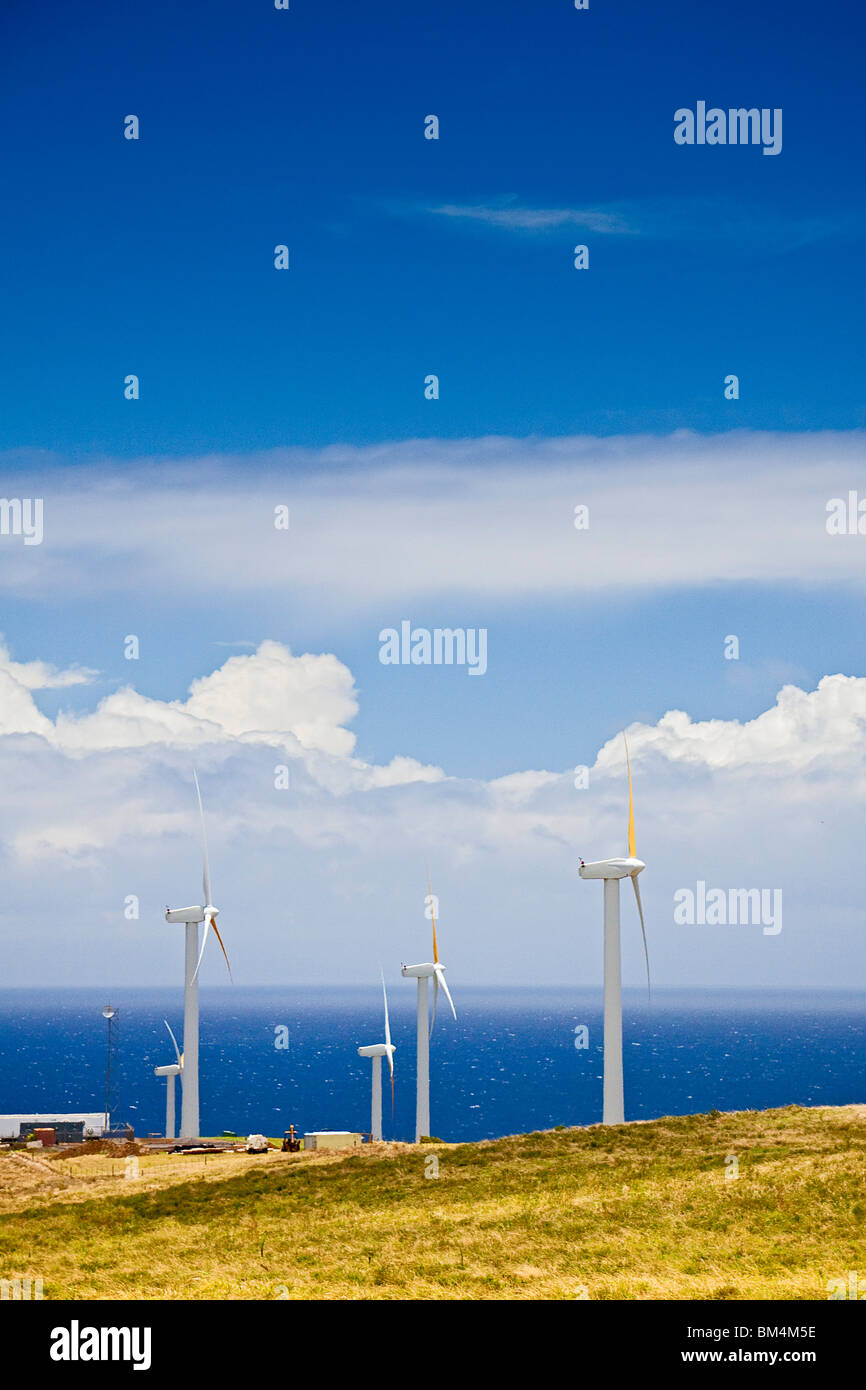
<point>494,518</point>
<point>320,877</point>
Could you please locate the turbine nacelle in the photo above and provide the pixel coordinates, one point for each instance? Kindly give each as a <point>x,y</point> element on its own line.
<point>173,1070</point>
<point>612,868</point>
<point>377,1050</point>
<point>185,914</point>
<point>421,972</point>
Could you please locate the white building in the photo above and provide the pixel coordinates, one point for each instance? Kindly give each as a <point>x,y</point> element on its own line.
<point>13,1126</point>
<point>332,1139</point>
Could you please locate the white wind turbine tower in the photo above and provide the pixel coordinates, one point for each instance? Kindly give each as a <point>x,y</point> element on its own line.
<point>191,917</point>
<point>422,973</point>
<point>611,871</point>
<point>376,1051</point>
<point>170,1072</point>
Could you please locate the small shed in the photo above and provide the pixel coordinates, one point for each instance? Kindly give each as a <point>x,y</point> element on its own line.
<point>332,1139</point>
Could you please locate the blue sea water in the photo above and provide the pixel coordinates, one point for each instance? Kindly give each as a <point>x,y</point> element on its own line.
<point>508,1065</point>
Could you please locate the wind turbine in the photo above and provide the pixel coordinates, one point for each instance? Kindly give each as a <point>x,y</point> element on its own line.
<point>191,917</point>
<point>611,871</point>
<point>422,973</point>
<point>377,1051</point>
<point>170,1072</point>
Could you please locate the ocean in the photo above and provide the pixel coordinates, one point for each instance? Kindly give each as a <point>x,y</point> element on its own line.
<point>508,1065</point>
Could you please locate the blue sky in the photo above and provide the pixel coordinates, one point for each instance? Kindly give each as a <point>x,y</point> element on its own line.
<point>306,387</point>
<point>306,127</point>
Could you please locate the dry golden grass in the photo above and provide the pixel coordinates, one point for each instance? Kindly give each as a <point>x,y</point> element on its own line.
<point>637,1211</point>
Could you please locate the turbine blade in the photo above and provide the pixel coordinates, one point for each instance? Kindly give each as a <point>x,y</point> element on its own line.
<point>207,926</point>
<point>441,976</point>
<point>174,1040</point>
<point>205,875</point>
<point>631,846</point>
<point>387,1023</point>
<point>433,919</point>
<point>435,999</point>
<point>222,948</point>
<point>643,933</point>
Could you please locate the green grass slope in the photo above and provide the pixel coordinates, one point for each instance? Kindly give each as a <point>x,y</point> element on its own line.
<point>637,1211</point>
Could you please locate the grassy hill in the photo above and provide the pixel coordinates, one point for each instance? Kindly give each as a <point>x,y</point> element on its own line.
<point>636,1211</point>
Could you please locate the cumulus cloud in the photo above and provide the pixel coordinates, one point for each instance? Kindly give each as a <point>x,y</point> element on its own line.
<point>18,711</point>
<point>298,703</point>
<point>301,704</point>
<point>310,697</point>
<point>805,729</point>
<point>41,675</point>
<point>98,805</point>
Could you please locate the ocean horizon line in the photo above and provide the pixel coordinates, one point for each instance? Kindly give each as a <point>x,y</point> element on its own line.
<point>362,989</point>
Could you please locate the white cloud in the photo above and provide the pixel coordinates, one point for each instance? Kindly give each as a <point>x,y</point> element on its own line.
<point>489,518</point>
<point>820,728</point>
<point>18,711</point>
<point>518,788</point>
<point>299,703</point>
<point>526,219</point>
<point>272,691</point>
<point>329,874</point>
<point>41,675</point>
<point>296,705</point>
<point>695,221</point>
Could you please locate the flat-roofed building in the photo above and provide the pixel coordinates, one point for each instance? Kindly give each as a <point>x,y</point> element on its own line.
<point>68,1129</point>
<point>332,1139</point>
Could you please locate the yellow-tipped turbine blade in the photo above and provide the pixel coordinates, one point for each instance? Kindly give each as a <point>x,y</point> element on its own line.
<point>631,846</point>
<point>220,940</point>
<point>433,919</point>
